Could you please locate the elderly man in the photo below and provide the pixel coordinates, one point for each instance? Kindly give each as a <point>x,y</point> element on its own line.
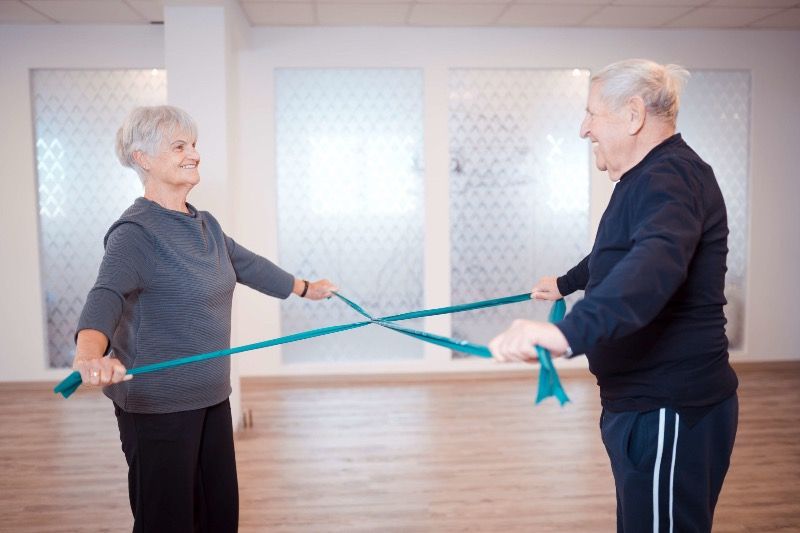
<point>651,322</point>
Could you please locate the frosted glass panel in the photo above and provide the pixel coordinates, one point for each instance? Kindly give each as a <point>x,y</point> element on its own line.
<point>519,181</point>
<point>715,121</point>
<point>82,186</point>
<point>350,204</point>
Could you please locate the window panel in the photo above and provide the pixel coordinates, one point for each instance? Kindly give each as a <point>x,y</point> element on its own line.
<point>350,204</point>
<point>82,187</point>
<point>715,121</point>
<point>519,181</point>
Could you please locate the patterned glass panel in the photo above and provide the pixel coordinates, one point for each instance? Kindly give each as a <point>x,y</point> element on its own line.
<point>715,121</point>
<point>350,204</point>
<point>519,181</point>
<point>82,186</point>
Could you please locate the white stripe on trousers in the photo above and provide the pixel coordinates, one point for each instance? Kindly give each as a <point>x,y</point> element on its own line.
<point>657,469</point>
<point>672,472</point>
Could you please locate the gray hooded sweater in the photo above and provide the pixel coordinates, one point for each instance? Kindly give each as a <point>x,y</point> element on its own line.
<point>164,291</point>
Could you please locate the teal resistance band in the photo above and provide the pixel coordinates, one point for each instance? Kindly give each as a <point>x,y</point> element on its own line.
<point>549,384</point>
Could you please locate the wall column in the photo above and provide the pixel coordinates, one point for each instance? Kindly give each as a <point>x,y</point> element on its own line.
<point>199,46</point>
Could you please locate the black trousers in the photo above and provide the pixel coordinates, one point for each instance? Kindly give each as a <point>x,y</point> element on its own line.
<point>668,475</point>
<point>181,470</point>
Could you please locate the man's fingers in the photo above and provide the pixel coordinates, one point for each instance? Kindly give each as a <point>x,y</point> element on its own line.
<point>525,350</point>
<point>494,348</point>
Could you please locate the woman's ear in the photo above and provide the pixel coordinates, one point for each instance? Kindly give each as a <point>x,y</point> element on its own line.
<point>142,160</point>
<point>636,114</point>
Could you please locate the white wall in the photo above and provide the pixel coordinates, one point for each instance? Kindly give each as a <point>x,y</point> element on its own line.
<point>23,348</point>
<point>773,298</point>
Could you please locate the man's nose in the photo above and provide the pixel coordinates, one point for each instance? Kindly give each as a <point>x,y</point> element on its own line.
<point>584,132</point>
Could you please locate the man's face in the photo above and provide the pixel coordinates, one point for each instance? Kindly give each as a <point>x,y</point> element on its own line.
<point>608,131</point>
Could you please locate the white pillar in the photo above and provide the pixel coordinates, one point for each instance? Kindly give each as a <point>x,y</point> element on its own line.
<point>199,54</point>
<point>437,210</point>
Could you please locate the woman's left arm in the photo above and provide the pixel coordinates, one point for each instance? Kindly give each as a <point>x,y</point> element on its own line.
<point>314,290</point>
<point>263,275</point>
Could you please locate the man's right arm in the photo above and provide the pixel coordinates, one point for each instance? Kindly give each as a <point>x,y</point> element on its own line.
<point>575,279</point>
<point>553,288</point>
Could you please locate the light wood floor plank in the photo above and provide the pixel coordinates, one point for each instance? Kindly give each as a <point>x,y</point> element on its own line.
<point>405,456</point>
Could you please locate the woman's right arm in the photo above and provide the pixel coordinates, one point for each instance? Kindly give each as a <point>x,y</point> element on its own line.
<point>127,266</point>
<point>89,361</point>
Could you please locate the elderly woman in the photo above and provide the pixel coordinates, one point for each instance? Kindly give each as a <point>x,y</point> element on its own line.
<point>164,291</point>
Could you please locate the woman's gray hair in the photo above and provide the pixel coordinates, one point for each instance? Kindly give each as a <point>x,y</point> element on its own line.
<point>659,86</point>
<point>145,128</point>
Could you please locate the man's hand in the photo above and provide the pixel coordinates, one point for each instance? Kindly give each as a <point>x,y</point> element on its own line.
<point>546,289</point>
<point>519,341</point>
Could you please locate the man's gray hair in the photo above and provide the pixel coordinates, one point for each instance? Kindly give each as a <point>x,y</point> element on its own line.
<point>658,85</point>
<point>144,130</point>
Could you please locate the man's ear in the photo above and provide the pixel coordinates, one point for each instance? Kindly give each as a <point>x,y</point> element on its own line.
<point>142,160</point>
<point>636,113</point>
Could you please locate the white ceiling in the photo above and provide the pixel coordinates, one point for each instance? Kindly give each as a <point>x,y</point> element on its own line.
<point>768,14</point>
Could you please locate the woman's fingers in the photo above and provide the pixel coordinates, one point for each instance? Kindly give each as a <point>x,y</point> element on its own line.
<point>101,371</point>
<point>89,370</point>
<point>120,374</point>
<point>94,374</point>
<point>320,289</point>
<point>105,374</point>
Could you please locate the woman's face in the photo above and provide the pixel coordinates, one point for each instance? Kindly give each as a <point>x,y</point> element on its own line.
<point>176,162</point>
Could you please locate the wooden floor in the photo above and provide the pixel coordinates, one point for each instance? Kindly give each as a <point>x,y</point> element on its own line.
<point>405,456</point>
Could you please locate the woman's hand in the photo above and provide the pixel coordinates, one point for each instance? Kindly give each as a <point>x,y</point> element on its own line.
<point>518,343</point>
<point>101,370</point>
<point>316,290</point>
<point>89,361</point>
<point>546,289</point>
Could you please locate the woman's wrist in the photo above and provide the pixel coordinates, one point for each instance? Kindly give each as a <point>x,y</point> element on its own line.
<point>300,287</point>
